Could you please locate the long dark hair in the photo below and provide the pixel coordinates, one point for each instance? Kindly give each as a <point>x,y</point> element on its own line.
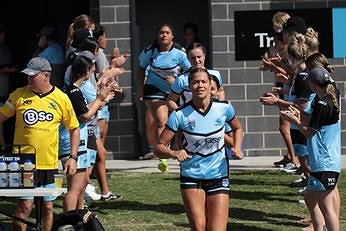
<point>80,65</point>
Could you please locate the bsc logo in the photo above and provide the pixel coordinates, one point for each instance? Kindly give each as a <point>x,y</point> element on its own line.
<point>31,116</point>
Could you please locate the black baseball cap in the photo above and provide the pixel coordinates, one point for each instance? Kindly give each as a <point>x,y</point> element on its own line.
<point>295,24</point>
<point>320,76</point>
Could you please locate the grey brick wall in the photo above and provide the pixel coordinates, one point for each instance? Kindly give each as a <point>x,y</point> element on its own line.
<point>246,83</point>
<point>242,81</point>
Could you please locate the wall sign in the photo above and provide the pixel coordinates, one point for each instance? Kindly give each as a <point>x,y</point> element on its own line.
<point>253,31</point>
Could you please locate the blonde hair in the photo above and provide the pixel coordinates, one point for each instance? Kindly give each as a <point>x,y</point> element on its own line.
<point>297,47</point>
<point>280,18</point>
<point>311,39</point>
<point>332,91</point>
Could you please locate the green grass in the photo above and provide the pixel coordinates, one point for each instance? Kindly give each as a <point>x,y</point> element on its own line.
<point>260,201</point>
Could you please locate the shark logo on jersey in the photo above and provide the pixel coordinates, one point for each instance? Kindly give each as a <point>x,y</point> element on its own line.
<point>53,105</point>
<point>197,143</point>
<point>191,123</point>
<point>218,122</point>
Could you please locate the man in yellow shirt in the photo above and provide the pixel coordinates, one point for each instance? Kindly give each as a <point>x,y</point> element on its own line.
<point>39,108</point>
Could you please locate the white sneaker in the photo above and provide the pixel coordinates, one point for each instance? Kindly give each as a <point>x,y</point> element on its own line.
<point>302,202</point>
<point>302,191</point>
<point>289,168</point>
<point>90,193</point>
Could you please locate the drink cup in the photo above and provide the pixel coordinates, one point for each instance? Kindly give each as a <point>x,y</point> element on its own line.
<point>58,179</point>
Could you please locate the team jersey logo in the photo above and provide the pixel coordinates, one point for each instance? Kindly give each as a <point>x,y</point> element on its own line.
<point>28,101</point>
<point>225,182</point>
<point>53,105</point>
<point>191,123</point>
<point>32,116</point>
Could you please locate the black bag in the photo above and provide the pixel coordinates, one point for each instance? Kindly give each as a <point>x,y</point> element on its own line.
<point>79,219</point>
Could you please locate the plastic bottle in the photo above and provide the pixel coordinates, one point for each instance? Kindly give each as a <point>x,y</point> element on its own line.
<point>3,174</point>
<point>14,175</point>
<point>28,174</point>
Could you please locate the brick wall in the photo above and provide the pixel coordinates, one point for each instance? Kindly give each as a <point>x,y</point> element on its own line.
<point>243,83</point>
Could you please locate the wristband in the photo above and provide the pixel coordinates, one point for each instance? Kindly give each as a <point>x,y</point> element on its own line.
<point>74,157</point>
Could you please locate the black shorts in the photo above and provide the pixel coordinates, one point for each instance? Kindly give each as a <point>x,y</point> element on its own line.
<point>92,142</point>
<point>297,137</point>
<point>152,92</point>
<point>211,187</point>
<point>44,177</point>
<point>323,181</point>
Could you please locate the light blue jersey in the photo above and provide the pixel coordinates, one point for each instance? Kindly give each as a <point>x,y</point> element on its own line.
<point>54,53</point>
<point>325,145</point>
<point>181,85</point>
<point>203,138</point>
<point>163,64</point>
<point>89,92</point>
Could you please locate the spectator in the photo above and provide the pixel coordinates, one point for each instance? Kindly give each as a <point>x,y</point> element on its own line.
<point>6,70</point>
<point>81,70</point>
<point>322,129</point>
<point>51,50</point>
<point>41,132</point>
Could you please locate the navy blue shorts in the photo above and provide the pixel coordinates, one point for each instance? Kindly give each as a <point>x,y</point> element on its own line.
<point>322,181</point>
<point>210,186</point>
<point>152,92</point>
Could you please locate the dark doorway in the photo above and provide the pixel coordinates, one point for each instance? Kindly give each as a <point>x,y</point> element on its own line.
<point>151,13</point>
<point>23,20</point>
<point>146,17</point>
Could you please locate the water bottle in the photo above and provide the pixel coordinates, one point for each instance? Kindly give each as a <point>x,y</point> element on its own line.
<point>28,174</point>
<point>14,175</point>
<point>3,174</point>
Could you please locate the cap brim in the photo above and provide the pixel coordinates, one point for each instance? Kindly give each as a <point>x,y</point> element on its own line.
<point>30,72</point>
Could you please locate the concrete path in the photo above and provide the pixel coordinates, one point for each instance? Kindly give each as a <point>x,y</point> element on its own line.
<point>150,166</point>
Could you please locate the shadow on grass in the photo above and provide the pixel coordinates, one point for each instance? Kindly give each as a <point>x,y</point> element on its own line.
<point>249,215</point>
<point>139,206</point>
<point>256,196</point>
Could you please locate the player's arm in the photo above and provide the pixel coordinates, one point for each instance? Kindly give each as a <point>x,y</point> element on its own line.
<point>3,117</point>
<point>71,163</point>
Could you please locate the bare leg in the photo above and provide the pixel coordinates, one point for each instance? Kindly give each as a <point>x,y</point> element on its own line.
<point>195,207</point>
<point>23,211</point>
<point>284,128</point>
<point>159,111</point>
<point>75,192</point>
<point>47,215</point>
<point>149,122</point>
<point>103,126</point>
<point>100,167</point>
<point>217,212</point>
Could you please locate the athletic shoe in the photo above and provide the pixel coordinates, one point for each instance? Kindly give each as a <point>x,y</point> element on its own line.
<point>299,170</point>
<point>289,168</point>
<point>302,202</point>
<point>148,156</point>
<point>90,193</point>
<point>301,182</point>
<point>302,191</point>
<point>110,196</point>
<point>163,165</point>
<point>282,163</point>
